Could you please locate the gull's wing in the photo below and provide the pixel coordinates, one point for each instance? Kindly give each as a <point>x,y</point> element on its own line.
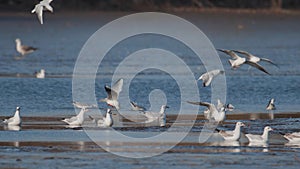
<point>248,55</point>
<point>6,121</point>
<point>108,91</point>
<point>28,48</point>
<point>220,104</point>
<point>201,103</point>
<point>230,53</point>
<point>216,72</point>
<point>117,87</point>
<point>39,12</point>
<point>258,66</point>
<point>269,61</point>
<point>226,133</point>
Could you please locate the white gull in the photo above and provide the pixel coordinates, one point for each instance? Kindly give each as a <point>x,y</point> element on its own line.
<point>264,138</point>
<point>233,135</point>
<point>15,120</point>
<point>40,7</point>
<point>76,120</point>
<point>208,76</point>
<point>113,94</point>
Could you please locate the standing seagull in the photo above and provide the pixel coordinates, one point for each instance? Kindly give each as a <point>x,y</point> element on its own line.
<point>253,58</point>
<point>40,7</point>
<point>264,138</point>
<point>208,76</point>
<point>15,120</point>
<point>107,121</point>
<point>271,105</point>
<point>238,61</point>
<point>234,135</point>
<point>76,120</point>
<point>136,107</point>
<point>22,49</point>
<point>217,115</point>
<point>113,94</point>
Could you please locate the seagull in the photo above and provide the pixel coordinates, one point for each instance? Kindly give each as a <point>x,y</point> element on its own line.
<point>160,116</point>
<point>264,138</point>
<point>22,49</point>
<point>253,58</point>
<point>136,107</point>
<point>84,105</point>
<point>113,94</point>
<point>208,76</point>
<point>271,105</point>
<point>292,137</point>
<point>234,135</point>
<point>40,7</point>
<point>238,61</point>
<point>217,115</point>
<point>15,120</point>
<point>76,120</point>
<point>228,107</point>
<point>40,74</point>
<point>107,121</point>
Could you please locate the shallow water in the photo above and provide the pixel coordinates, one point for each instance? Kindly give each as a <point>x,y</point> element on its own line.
<point>44,140</point>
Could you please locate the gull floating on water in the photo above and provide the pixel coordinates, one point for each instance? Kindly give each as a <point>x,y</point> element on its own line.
<point>84,105</point>
<point>234,135</point>
<point>264,138</point>
<point>22,49</point>
<point>253,58</point>
<point>271,105</point>
<point>160,116</point>
<point>208,76</point>
<point>292,137</point>
<point>136,107</point>
<point>76,120</point>
<point>214,113</point>
<point>40,74</point>
<point>113,94</point>
<point>107,121</point>
<point>15,120</point>
<point>40,7</point>
<point>238,61</point>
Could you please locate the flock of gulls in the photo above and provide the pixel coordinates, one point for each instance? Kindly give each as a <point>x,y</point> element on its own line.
<point>215,113</point>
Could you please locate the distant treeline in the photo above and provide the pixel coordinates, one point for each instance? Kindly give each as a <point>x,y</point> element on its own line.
<point>144,5</point>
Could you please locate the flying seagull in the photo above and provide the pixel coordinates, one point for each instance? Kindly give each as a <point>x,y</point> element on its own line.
<point>22,49</point>
<point>113,94</point>
<point>254,58</point>
<point>208,76</point>
<point>214,113</point>
<point>15,120</point>
<point>238,61</point>
<point>40,7</point>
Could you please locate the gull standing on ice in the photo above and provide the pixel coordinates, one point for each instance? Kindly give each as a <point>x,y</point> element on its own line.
<point>22,49</point>
<point>15,120</point>
<point>41,74</point>
<point>40,7</point>
<point>208,76</point>
<point>253,58</point>
<point>292,137</point>
<point>271,105</point>
<point>76,120</point>
<point>136,107</point>
<point>107,121</point>
<point>217,115</point>
<point>264,138</point>
<point>84,105</point>
<point>160,116</point>
<point>238,61</point>
<point>113,94</point>
<point>234,135</point>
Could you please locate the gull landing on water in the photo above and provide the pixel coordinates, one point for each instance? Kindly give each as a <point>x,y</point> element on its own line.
<point>15,120</point>
<point>160,116</point>
<point>113,94</point>
<point>76,120</point>
<point>238,61</point>
<point>208,76</point>
<point>107,121</point>
<point>234,135</point>
<point>264,138</point>
<point>253,58</point>
<point>40,7</point>
<point>271,105</point>
<point>22,49</point>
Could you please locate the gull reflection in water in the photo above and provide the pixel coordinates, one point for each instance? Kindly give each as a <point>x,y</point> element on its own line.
<point>233,146</point>
<point>260,144</point>
<point>12,128</point>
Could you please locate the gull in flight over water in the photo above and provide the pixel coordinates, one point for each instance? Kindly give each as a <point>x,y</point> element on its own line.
<point>238,61</point>
<point>15,120</point>
<point>76,120</point>
<point>41,74</point>
<point>84,105</point>
<point>212,112</point>
<point>208,76</point>
<point>107,121</point>
<point>271,105</point>
<point>40,7</point>
<point>253,58</point>
<point>113,94</point>
<point>136,107</point>
<point>22,49</point>
<point>160,116</point>
<point>264,138</point>
<point>292,137</point>
<point>233,135</point>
